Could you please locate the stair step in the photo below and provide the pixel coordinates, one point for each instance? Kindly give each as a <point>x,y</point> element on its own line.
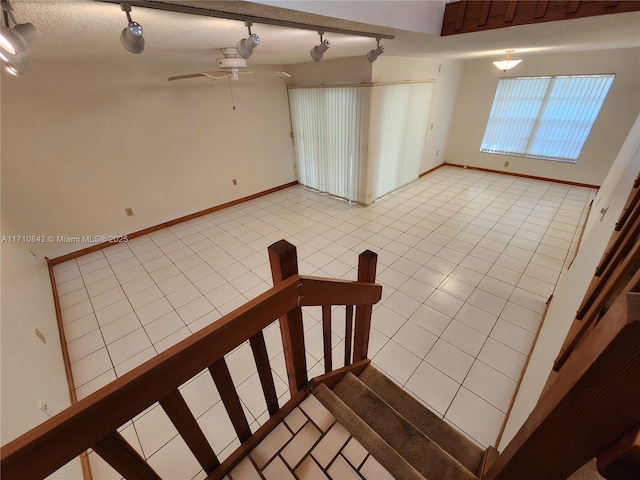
<point>417,448</point>
<point>381,450</point>
<point>448,438</point>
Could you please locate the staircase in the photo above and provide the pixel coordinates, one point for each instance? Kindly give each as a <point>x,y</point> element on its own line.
<point>406,438</point>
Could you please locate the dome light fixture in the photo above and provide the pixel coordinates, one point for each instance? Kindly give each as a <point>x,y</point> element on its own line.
<point>317,52</point>
<point>372,55</point>
<point>246,46</point>
<point>131,36</point>
<point>507,64</point>
<point>14,40</point>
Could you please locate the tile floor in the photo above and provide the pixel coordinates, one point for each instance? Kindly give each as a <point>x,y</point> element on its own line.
<point>467,260</point>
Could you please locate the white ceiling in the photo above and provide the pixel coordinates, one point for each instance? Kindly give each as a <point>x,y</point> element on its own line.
<point>89,30</point>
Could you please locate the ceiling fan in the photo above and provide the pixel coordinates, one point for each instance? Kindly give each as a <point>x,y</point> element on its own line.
<point>232,65</point>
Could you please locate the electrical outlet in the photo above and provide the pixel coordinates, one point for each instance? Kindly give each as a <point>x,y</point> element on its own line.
<point>235,182</point>
<point>129,211</point>
<point>506,164</point>
<point>45,408</point>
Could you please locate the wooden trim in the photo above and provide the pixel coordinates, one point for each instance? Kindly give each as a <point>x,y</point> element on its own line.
<point>326,291</point>
<point>462,8</point>
<point>284,265</point>
<point>119,401</point>
<point>326,338</point>
<point>367,264</point>
<point>484,12</point>
<point>261,357</point>
<point>235,458</point>
<point>488,458</point>
<point>541,8</point>
<point>191,216</point>
<point>511,10</point>
<point>118,453</point>
<point>178,412</point>
<point>620,460</point>
<point>84,456</point>
<point>229,396</point>
<point>523,175</point>
<point>431,170</point>
<point>594,400</point>
<point>332,378</point>
<point>348,334</point>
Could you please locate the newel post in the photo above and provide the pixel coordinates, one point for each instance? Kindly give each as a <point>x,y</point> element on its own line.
<point>284,263</point>
<point>367,262</point>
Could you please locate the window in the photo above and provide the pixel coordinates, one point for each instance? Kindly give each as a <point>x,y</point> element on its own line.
<point>548,118</point>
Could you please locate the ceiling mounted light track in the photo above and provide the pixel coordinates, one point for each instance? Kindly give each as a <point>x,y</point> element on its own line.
<point>14,40</point>
<point>131,36</point>
<point>246,45</point>
<point>206,12</point>
<point>372,55</point>
<point>317,52</point>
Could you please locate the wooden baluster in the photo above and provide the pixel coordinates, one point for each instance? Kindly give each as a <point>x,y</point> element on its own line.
<point>182,418</point>
<point>348,333</point>
<point>367,262</point>
<point>220,373</point>
<point>326,337</point>
<point>117,452</point>
<point>284,263</point>
<point>261,357</point>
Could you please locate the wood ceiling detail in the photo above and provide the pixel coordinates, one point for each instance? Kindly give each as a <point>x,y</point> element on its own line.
<point>477,15</point>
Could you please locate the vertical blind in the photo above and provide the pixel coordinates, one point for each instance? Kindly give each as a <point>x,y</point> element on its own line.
<point>399,119</point>
<point>544,117</point>
<point>328,134</point>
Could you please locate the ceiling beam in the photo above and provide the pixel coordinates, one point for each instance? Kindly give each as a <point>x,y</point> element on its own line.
<point>169,7</point>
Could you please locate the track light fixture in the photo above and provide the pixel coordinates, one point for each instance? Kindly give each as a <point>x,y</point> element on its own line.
<point>372,55</point>
<point>131,36</point>
<point>318,51</point>
<point>13,41</point>
<point>246,45</point>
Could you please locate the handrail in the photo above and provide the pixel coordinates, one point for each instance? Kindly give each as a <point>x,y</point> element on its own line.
<point>94,420</point>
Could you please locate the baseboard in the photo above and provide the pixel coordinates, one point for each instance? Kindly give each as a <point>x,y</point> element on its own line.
<point>146,231</point>
<point>523,175</point>
<point>431,170</point>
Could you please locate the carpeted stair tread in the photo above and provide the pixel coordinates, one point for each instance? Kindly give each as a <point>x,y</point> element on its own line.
<point>418,449</point>
<point>446,436</point>
<point>381,451</point>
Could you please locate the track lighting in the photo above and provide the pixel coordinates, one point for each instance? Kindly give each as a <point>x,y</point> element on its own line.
<point>372,55</point>
<point>246,45</point>
<point>131,36</point>
<point>318,51</point>
<point>14,41</point>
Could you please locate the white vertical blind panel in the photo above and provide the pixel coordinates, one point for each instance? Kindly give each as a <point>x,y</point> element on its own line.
<point>327,136</point>
<point>544,117</point>
<point>400,115</point>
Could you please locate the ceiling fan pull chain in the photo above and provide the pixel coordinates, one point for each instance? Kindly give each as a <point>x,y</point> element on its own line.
<point>233,102</point>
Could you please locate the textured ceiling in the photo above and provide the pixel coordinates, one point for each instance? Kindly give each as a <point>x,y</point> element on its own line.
<point>89,30</point>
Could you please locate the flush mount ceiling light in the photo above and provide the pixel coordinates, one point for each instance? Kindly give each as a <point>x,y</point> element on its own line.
<point>246,46</point>
<point>318,51</point>
<point>14,41</point>
<point>372,55</point>
<point>131,36</point>
<point>506,64</point>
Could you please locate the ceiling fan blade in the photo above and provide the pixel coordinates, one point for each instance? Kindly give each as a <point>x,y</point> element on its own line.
<point>272,73</point>
<point>217,74</point>
<point>182,77</point>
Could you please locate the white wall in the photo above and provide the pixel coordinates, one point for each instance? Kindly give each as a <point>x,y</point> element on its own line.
<point>446,74</point>
<point>81,142</point>
<point>477,89</point>
<point>572,287</point>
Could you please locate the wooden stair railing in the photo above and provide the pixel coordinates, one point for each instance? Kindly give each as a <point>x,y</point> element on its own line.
<point>592,399</point>
<point>94,421</point>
